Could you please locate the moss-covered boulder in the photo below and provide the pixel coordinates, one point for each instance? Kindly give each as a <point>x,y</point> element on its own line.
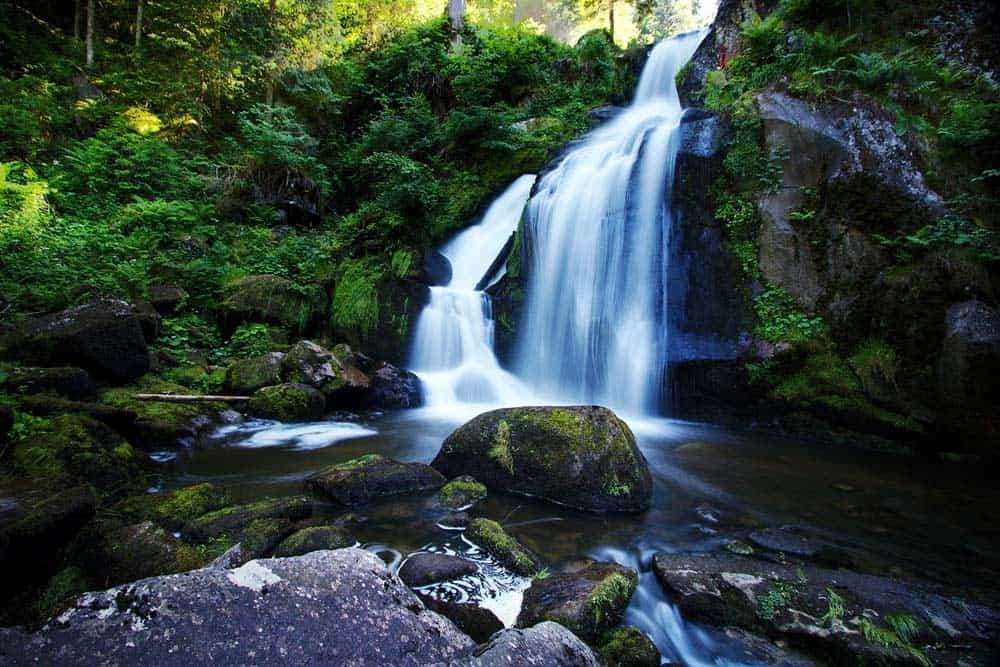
<point>588,601</point>
<point>104,337</point>
<point>583,457</point>
<point>461,493</point>
<point>144,550</point>
<point>424,568</point>
<point>261,537</point>
<point>172,510</point>
<point>232,522</point>
<point>84,450</point>
<point>372,476</point>
<point>628,647</point>
<point>337,373</point>
<point>287,403</point>
<point>162,424</point>
<point>166,298</point>
<point>490,536</point>
<point>245,376</point>
<point>314,538</point>
<point>69,381</point>
<point>271,299</point>
<point>45,405</point>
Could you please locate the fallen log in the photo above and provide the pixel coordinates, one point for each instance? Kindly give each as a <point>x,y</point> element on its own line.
<point>190,398</point>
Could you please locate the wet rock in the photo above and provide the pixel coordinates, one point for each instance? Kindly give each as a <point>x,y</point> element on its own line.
<point>245,376</point>
<point>166,299</point>
<point>315,538</point>
<point>103,337</point>
<point>69,381</point>
<point>583,457</point>
<point>628,647</point>
<point>822,611</point>
<point>454,521</point>
<point>287,403</point>
<point>149,320</point>
<point>786,540</point>
<point>372,476</point>
<point>271,299</point>
<point>604,113</point>
<point>461,493</point>
<point>424,568</point>
<point>262,537</point>
<point>233,521</point>
<point>144,550</point>
<point>394,388</point>
<point>478,623</point>
<point>548,644</point>
<point>48,406</point>
<point>969,367</point>
<point>339,607</point>
<point>588,602</point>
<point>490,536</point>
<point>436,269</point>
<point>334,373</point>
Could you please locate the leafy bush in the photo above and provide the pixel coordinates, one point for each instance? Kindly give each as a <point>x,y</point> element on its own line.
<point>779,319</point>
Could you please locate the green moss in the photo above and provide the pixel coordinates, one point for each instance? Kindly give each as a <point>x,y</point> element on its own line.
<point>682,74</point>
<point>66,585</point>
<point>500,451</point>
<point>157,411</point>
<point>492,538</point>
<point>355,299</point>
<point>184,505</point>
<point>461,492</point>
<point>287,403</point>
<point>609,598</point>
<point>874,363</point>
<point>628,647</point>
<point>314,539</point>
<point>359,462</point>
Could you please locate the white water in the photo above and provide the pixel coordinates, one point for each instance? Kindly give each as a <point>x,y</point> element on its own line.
<point>595,329</point>
<point>453,345</point>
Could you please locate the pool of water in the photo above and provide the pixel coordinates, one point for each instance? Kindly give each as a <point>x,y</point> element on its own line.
<point>891,515</point>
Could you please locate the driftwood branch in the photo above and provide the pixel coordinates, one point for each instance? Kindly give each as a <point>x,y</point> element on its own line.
<point>190,398</point>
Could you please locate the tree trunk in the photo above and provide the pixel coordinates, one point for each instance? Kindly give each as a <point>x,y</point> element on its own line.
<point>269,86</point>
<point>138,23</point>
<point>76,21</point>
<point>611,19</point>
<point>517,11</point>
<point>90,32</point>
<point>190,398</point>
<point>456,12</point>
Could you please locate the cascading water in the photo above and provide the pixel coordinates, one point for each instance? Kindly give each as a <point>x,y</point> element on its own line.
<point>453,347</point>
<point>599,227</point>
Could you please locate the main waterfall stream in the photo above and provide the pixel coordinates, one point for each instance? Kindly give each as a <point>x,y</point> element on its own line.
<point>595,330</point>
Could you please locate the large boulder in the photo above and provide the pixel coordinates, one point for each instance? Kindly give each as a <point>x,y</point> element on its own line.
<point>69,381</point>
<point>287,403</point>
<point>104,337</point>
<point>548,644</point>
<point>583,457</point>
<point>245,376</point>
<point>272,299</point>
<point>327,607</point>
<point>372,476</point>
<point>393,388</point>
<point>144,550</point>
<point>588,601</point>
<point>336,373</point>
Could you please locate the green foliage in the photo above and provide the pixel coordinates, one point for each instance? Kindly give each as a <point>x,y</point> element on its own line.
<point>247,341</point>
<point>780,319</point>
<point>778,596</point>
<point>835,608</point>
<point>279,147</point>
<point>902,630</point>
<point>187,333</point>
<point>355,299</point>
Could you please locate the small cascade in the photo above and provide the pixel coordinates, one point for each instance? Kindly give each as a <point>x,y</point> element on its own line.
<point>453,346</point>
<point>599,229</point>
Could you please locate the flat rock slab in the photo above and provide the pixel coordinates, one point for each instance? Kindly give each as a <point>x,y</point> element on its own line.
<point>371,476</point>
<point>331,607</point>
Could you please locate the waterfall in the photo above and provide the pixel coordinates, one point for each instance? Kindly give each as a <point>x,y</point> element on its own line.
<point>595,328</point>
<point>453,346</point>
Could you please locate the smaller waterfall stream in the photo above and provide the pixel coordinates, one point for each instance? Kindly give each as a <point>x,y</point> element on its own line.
<point>453,346</point>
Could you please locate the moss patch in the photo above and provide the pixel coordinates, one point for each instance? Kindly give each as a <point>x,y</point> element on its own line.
<point>492,538</point>
<point>461,492</point>
<point>610,597</point>
<point>628,647</point>
<point>500,451</point>
<point>287,403</point>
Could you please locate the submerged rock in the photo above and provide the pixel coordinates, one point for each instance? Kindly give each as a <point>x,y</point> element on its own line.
<point>461,493</point>
<point>287,403</point>
<point>583,457</point>
<point>69,381</point>
<point>104,337</point>
<point>548,644</point>
<point>245,376</point>
<point>490,536</point>
<point>424,568</point>
<point>329,607</point>
<point>315,538</point>
<point>364,479</point>
<point>588,601</point>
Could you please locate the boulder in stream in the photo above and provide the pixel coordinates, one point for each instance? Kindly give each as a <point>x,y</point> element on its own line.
<point>245,376</point>
<point>423,568</point>
<point>368,477</point>
<point>334,373</point>
<point>287,403</point>
<point>584,457</point>
<point>548,644</point>
<point>314,538</point>
<point>490,536</point>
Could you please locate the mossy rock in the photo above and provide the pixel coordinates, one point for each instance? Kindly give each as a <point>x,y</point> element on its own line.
<point>628,647</point>
<point>490,536</point>
<point>161,424</point>
<point>372,476</point>
<point>461,493</point>
<point>588,601</point>
<point>287,403</point>
<point>315,538</point>
<point>231,522</point>
<point>68,381</point>
<point>82,449</point>
<point>64,586</point>
<point>336,373</point>
<point>145,550</point>
<point>44,405</point>
<point>262,536</point>
<point>271,299</point>
<point>245,376</point>
<point>584,457</point>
